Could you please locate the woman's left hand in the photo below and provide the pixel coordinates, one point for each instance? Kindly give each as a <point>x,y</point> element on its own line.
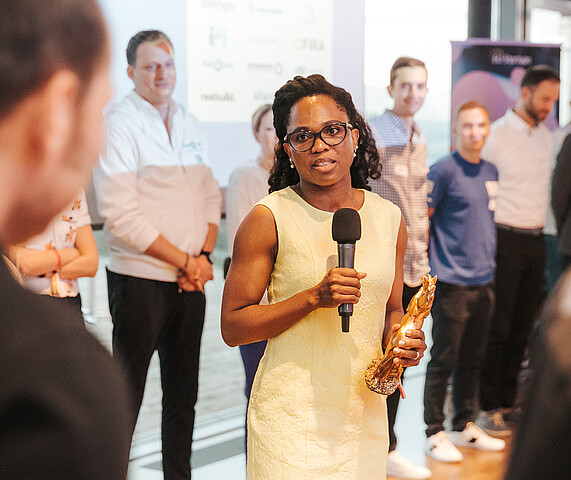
<point>410,348</point>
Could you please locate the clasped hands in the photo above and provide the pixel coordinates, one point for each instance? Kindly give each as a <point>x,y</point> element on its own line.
<point>194,279</point>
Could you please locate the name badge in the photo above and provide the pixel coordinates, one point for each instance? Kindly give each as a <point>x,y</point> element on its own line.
<point>400,170</point>
<point>492,189</point>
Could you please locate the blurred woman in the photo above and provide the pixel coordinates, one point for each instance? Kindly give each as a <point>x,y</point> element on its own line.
<point>311,414</point>
<point>50,263</point>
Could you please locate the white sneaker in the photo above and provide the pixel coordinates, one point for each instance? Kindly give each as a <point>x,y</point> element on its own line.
<point>439,447</point>
<point>401,467</point>
<point>474,437</point>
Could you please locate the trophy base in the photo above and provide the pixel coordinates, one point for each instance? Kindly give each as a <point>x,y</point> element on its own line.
<point>387,387</point>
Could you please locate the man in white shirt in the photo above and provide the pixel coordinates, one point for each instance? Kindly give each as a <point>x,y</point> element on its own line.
<point>161,206</point>
<point>520,145</point>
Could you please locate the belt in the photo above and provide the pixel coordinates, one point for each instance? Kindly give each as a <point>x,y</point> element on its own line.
<point>536,232</point>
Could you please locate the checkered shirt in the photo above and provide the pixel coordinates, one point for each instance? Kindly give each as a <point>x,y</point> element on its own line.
<point>403,182</point>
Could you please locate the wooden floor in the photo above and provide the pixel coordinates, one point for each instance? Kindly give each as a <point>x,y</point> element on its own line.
<point>411,438</point>
<point>410,433</point>
<point>475,466</point>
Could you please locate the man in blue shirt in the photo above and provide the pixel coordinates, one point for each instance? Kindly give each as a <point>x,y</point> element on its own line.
<point>462,246</point>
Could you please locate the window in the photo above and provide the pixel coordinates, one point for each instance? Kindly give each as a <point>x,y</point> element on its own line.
<point>423,30</point>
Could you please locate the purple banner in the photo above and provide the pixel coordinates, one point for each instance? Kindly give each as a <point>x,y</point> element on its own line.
<point>491,72</point>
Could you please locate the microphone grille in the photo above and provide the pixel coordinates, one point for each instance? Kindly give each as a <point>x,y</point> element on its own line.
<point>346,226</point>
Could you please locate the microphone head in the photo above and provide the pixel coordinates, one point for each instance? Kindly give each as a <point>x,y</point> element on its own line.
<point>346,226</point>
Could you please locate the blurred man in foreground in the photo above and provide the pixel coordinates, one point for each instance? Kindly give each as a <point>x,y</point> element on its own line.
<point>62,403</point>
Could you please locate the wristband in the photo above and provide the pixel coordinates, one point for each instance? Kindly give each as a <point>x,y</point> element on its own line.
<point>58,260</point>
<point>207,255</point>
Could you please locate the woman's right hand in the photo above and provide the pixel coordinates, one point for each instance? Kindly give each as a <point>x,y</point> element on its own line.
<point>340,285</point>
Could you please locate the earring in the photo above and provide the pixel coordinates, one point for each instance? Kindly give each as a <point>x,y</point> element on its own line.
<point>355,152</point>
<point>291,163</point>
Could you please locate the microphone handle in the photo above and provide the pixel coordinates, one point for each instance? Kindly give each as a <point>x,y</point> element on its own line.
<point>346,254</point>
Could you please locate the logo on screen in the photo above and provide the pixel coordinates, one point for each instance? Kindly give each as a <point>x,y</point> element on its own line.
<point>277,68</point>
<point>309,44</point>
<point>218,37</point>
<point>225,97</point>
<point>217,65</point>
<point>264,97</point>
<point>499,57</point>
<point>225,5</point>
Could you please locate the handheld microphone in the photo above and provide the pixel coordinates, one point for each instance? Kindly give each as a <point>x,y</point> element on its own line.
<point>346,230</point>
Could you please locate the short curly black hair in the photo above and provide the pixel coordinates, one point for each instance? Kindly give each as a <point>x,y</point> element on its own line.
<point>366,163</point>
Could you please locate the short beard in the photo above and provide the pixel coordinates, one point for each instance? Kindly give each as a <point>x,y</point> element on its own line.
<point>532,113</point>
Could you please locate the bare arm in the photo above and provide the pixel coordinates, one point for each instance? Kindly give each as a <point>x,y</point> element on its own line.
<point>78,261</point>
<point>210,241</point>
<point>40,262</point>
<point>164,250</point>
<point>85,265</point>
<point>243,319</point>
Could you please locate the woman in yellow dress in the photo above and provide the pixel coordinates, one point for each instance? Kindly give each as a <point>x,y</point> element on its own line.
<point>311,415</point>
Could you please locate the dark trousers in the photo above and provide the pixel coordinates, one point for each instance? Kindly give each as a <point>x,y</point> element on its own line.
<point>461,319</point>
<point>251,355</point>
<point>150,315</point>
<point>393,399</point>
<point>520,266</point>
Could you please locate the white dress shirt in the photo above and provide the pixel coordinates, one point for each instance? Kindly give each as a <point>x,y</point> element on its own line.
<point>523,156</point>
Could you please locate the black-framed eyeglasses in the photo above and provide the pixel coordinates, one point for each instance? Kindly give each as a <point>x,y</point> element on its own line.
<point>332,134</point>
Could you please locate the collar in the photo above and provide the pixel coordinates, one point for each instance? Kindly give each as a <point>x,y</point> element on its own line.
<point>519,123</point>
<point>146,107</point>
<point>399,123</point>
<point>460,158</point>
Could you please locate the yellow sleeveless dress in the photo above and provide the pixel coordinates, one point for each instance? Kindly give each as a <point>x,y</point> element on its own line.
<point>311,416</point>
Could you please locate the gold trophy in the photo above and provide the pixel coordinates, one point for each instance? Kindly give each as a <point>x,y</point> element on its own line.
<point>383,375</point>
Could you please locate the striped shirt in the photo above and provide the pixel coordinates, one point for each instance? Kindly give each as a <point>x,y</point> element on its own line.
<point>403,182</point>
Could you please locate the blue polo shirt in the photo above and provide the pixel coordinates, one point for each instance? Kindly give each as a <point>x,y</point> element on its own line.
<point>462,245</point>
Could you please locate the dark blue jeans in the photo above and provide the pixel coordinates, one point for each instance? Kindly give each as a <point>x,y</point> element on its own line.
<point>460,323</point>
